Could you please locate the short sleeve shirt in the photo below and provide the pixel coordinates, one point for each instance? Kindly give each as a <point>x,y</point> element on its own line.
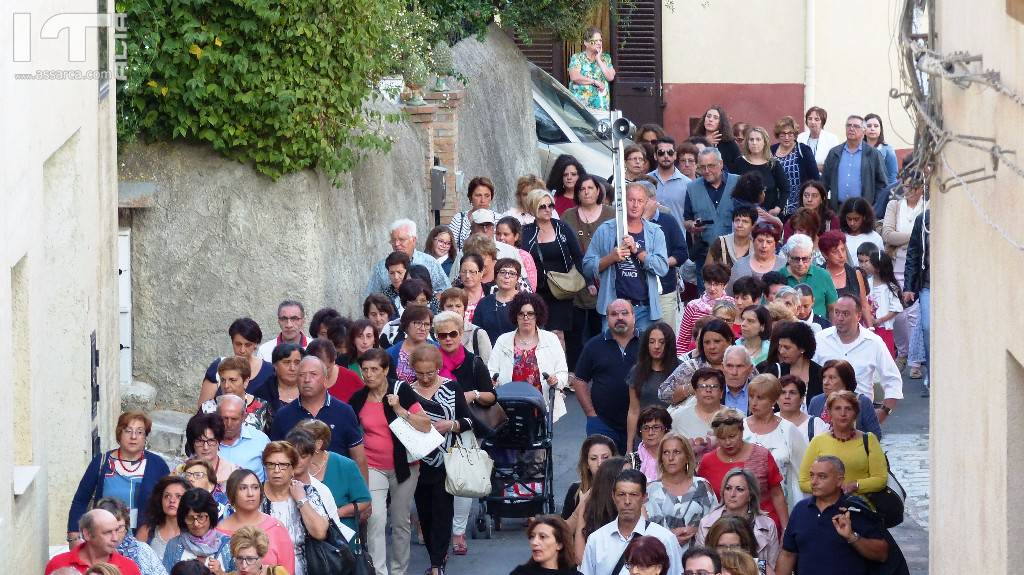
<point>605,365</point>
<point>339,416</point>
<point>346,483</point>
<point>820,550</point>
<point>821,284</point>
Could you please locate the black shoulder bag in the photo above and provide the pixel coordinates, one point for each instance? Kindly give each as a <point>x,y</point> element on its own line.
<point>888,502</point>
<point>332,556</point>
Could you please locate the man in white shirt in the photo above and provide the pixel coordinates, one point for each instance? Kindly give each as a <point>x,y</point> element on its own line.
<point>291,316</point>
<point>865,351</point>
<point>605,547</point>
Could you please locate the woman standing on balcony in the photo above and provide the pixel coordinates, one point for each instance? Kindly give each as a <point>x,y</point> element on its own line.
<point>590,71</point>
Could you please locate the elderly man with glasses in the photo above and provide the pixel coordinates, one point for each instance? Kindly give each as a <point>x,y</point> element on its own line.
<point>403,238</point>
<point>799,270</point>
<point>707,212</point>
<point>854,169</point>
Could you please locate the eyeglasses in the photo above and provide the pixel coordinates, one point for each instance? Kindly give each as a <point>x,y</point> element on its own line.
<point>420,324</point>
<point>650,428</point>
<point>448,334</point>
<point>194,474</point>
<point>707,386</point>
<point>205,441</point>
<point>688,161</point>
<point>243,560</point>
<point>666,152</point>
<point>786,134</point>
<point>426,374</point>
<point>198,519</point>
<point>728,421</point>
<point>277,466</point>
<point>441,242</point>
<point>469,272</point>
<point>289,318</point>
<point>527,314</point>
<point>698,572</point>
<point>508,273</point>
<point>799,259</point>
<point>545,206</point>
<point>706,167</point>
<point>139,432</point>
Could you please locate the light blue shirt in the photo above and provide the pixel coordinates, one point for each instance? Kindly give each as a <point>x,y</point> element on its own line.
<point>655,264</point>
<point>672,193</point>
<point>849,172</point>
<point>247,451</point>
<point>737,402</point>
<point>379,274</point>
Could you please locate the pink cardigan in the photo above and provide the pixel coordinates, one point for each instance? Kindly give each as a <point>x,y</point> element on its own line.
<point>281,550</point>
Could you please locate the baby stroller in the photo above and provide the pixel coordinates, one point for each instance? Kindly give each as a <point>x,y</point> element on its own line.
<point>522,482</point>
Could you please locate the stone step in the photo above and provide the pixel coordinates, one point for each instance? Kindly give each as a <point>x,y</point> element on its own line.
<point>138,395</point>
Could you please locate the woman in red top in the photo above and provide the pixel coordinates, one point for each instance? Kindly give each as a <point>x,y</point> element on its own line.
<point>733,452</point>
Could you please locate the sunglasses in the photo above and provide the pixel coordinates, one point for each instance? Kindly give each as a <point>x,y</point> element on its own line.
<point>448,334</point>
<point>666,152</point>
<point>545,206</point>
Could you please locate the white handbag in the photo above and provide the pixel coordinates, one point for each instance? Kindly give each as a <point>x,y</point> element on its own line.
<point>467,468</point>
<point>417,443</point>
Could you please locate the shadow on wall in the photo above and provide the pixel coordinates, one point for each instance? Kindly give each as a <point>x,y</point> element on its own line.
<point>497,134</point>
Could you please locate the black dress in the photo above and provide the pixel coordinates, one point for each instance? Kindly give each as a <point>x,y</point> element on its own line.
<point>532,569</point>
<point>559,311</point>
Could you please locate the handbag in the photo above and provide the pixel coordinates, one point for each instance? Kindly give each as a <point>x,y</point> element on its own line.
<point>363,561</point>
<point>330,556</point>
<point>489,418</point>
<point>889,502</point>
<point>417,443</point>
<point>563,285</point>
<point>467,468</point>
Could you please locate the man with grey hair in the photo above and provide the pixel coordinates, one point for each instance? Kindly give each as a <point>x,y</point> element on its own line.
<point>242,444</point>
<point>99,529</point>
<point>291,317</point>
<point>707,211</point>
<point>403,238</point>
<point>855,169</point>
<point>629,267</point>
<point>739,370</point>
<point>315,403</point>
<point>799,251</point>
<point>828,532</point>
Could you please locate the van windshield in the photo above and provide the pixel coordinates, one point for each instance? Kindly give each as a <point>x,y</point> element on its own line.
<point>579,119</point>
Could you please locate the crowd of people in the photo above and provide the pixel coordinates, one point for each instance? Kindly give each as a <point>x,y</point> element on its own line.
<point>736,353</point>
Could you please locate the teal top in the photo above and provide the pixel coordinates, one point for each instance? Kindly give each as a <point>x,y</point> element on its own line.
<point>346,483</point>
<point>821,284</point>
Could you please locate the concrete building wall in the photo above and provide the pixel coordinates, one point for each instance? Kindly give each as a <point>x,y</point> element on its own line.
<point>57,282</point>
<point>978,399</point>
<point>751,57</point>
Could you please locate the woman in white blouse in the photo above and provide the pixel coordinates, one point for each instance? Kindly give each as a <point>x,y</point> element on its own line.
<point>816,137</point>
<point>775,434</point>
<point>896,227</point>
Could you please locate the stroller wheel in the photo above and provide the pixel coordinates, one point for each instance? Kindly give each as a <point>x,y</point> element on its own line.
<point>489,525</point>
<point>496,523</point>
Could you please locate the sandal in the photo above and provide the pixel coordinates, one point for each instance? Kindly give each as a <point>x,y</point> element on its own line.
<point>916,372</point>
<point>459,546</point>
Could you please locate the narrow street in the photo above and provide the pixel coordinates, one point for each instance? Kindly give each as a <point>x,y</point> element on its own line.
<point>906,442</point>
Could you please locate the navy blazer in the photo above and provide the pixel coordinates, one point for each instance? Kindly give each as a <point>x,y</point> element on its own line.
<point>90,488</point>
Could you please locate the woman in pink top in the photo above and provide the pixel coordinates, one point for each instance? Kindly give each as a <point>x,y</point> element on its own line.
<point>245,492</point>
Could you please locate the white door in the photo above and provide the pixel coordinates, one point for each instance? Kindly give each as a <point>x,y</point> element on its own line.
<point>124,303</point>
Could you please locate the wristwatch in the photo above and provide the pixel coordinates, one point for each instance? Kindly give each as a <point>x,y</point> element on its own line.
<point>476,398</point>
<point>302,502</point>
<point>854,539</point>
<point>887,410</point>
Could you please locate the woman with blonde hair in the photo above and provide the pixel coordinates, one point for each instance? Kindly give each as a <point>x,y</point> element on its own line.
<point>763,427</point>
<point>757,157</point>
<point>678,500</point>
<point>248,546</point>
<point>521,210</point>
<point>738,562</point>
<point>103,568</point>
<point>741,499</point>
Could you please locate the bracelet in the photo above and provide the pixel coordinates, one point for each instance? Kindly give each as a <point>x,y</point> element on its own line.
<point>477,397</point>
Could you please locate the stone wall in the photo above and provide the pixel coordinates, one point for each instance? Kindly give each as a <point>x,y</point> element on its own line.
<point>221,241</point>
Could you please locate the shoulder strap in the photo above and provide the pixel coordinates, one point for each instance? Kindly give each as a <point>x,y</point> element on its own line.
<point>865,437</point>
<point>860,280</point>
<point>476,346</point>
<point>810,428</point>
<point>622,558</point>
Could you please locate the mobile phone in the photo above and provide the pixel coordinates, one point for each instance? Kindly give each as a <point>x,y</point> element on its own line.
<point>702,223</point>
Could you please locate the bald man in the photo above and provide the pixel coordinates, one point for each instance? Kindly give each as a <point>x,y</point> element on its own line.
<point>99,530</point>
<point>600,380</point>
<point>315,403</point>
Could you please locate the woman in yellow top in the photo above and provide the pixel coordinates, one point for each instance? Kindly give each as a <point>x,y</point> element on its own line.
<point>248,546</point>
<point>866,470</point>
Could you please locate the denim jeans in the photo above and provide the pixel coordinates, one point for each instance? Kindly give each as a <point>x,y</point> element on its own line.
<point>642,315</point>
<point>597,425</point>
<point>926,327</point>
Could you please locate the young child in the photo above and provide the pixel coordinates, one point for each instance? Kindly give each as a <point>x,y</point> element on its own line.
<point>715,276</point>
<point>728,312</point>
<point>885,291</point>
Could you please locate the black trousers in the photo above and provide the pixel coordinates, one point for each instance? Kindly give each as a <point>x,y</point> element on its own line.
<point>435,508</point>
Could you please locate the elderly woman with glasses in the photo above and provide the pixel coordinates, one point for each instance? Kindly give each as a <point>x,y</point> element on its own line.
<point>799,251</point>
<point>286,499</point>
<point>733,451</point>
<point>197,518</point>
<point>590,71</point>
<point>553,245</point>
<point>470,373</point>
<point>248,546</point>
<point>199,473</point>
<point>128,473</point>
<point>203,434</point>
<point>741,498</point>
<point>678,500</point>
<point>415,324</point>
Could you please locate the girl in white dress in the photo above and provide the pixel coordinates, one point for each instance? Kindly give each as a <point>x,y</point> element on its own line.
<point>775,434</point>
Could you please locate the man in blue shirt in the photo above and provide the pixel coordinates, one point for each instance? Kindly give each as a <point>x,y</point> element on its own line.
<point>315,403</point>
<point>671,182</point>
<point>242,444</point>
<point>829,534</point>
<point>707,211</point>
<point>739,370</point>
<point>855,169</point>
<point>600,378</point>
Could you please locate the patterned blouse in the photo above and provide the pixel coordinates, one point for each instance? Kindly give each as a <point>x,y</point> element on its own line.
<point>686,510</point>
<point>791,167</point>
<point>589,95</point>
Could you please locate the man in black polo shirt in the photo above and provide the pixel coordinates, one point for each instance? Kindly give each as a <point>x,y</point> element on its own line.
<point>827,534</point>
<point>600,381</point>
<point>315,403</point>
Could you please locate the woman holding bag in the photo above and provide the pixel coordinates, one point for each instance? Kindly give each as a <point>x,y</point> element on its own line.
<point>391,475</point>
<point>470,372</point>
<point>445,404</point>
<point>554,248</point>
